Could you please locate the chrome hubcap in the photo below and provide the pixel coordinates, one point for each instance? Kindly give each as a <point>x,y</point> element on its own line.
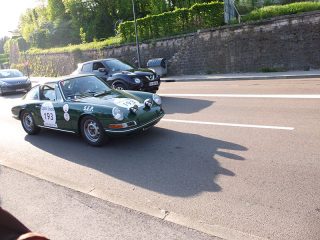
<point>28,122</point>
<point>92,130</point>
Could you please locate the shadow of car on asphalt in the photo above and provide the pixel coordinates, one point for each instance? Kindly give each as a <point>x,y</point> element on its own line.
<point>161,160</point>
<point>173,105</point>
<point>13,95</point>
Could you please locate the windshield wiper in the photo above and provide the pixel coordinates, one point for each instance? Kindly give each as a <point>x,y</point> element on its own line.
<point>81,95</point>
<point>102,93</point>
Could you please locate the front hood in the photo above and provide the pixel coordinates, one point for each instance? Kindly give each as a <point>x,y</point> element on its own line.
<point>16,80</point>
<point>135,72</point>
<point>114,99</point>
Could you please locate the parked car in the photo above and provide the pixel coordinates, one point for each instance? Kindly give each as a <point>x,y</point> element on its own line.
<point>87,105</point>
<point>12,80</point>
<point>120,75</point>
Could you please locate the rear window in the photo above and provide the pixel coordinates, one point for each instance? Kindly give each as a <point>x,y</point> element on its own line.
<point>86,68</point>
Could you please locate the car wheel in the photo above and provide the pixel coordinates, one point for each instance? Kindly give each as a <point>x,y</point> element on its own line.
<point>119,86</point>
<point>92,131</point>
<point>28,123</point>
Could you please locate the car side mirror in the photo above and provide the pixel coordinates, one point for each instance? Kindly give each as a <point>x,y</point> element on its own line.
<point>103,70</point>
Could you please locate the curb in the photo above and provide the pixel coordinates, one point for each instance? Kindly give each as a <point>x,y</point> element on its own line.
<point>188,79</point>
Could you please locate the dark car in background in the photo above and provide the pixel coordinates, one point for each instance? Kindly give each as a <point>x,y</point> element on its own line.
<point>120,75</point>
<point>12,80</point>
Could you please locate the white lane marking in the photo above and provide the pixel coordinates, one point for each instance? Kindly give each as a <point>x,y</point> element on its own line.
<point>228,124</point>
<point>286,96</point>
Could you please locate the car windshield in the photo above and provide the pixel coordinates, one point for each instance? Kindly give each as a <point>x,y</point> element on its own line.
<point>86,86</point>
<point>116,65</point>
<point>11,73</point>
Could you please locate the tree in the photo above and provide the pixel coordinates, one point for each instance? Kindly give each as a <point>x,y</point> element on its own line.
<point>2,42</point>
<point>63,22</point>
<point>56,9</point>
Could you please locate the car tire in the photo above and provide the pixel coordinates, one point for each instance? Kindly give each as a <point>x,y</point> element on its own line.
<point>28,123</point>
<point>119,86</point>
<point>92,131</point>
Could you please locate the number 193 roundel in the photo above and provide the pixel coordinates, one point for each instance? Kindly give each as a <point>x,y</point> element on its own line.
<point>88,106</point>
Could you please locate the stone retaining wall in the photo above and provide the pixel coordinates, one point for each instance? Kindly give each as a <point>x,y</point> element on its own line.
<point>283,43</point>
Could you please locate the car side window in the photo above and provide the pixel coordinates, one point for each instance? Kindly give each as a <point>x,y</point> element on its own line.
<point>86,67</point>
<point>97,65</point>
<point>48,93</point>
<point>33,94</point>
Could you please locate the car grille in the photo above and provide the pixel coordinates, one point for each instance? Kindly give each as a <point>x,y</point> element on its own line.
<point>16,86</point>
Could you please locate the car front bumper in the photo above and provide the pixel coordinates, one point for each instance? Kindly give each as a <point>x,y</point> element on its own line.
<point>142,127</point>
<point>15,88</point>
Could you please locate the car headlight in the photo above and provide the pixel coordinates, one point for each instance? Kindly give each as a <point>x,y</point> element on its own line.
<point>28,81</point>
<point>117,113</point>
<point>157,99</point>
<point>148,103</point>
<point>137,80</point>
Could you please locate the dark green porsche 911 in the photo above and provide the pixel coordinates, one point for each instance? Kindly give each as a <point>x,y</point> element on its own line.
<point>86,105</point>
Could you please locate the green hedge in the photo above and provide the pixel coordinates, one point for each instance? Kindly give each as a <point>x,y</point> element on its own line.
<point>4,58</point>
<point>278,10</point>
<point>112,41</point>
<point>179,21</point>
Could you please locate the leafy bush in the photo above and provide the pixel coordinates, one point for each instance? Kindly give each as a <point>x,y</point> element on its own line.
<point>21,67</point>
<point>4,58</point>
<point>80,47</point>
<point>179,21</point>
<point>278,10</point>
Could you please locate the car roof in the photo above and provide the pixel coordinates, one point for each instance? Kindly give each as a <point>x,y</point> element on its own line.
<point>99,60</point>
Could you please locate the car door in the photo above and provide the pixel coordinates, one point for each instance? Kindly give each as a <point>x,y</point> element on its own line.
<point>50,109</point>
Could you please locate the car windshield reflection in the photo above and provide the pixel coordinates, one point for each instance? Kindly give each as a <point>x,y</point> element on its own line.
<point>81,87</point>
<point>10,73</point>
<point>116,65</point>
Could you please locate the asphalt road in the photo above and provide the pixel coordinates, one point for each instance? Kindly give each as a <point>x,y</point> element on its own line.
<point>64,214</point>
<point>234,159</point>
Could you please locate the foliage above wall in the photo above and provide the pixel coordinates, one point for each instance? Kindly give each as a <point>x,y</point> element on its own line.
<point>78,47</point>
<point>279,10</point>
<point>179,21</point>
<point>4,58</point>
<point>56,23</point>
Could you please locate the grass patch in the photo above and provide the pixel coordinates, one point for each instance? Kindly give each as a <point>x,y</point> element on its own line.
<point>112,41</point>
<point>279,10</point>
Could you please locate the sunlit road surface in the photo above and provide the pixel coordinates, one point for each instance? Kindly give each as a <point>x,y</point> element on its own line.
<point>235,159</point>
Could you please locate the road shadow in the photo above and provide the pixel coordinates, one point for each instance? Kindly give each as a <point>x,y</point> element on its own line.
<point>13,95</point>
<point>173,105</point>
<point>161,160</point>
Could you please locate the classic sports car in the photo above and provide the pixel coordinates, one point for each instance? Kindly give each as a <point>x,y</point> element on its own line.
<point>120,75</point>
<point>85,104</point>
<point>12,80</point>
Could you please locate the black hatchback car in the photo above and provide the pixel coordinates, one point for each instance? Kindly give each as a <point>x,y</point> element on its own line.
<point>120,75</point>
<point>12,80</point>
